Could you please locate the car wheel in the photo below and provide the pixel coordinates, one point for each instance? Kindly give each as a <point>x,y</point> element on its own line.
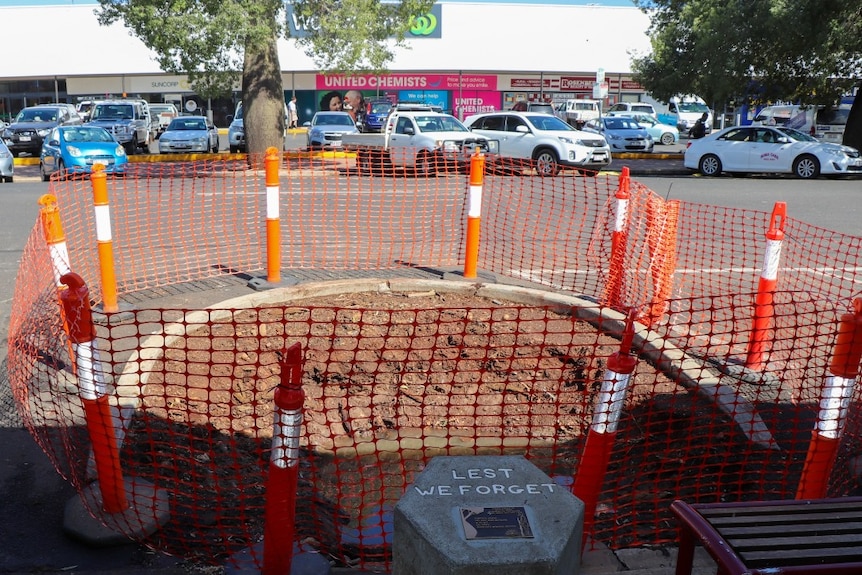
<point>424,164</point>
<point>667,139</point>
<point>234,149</point>
<point>710,165</point>
<point>546,162</point>
<point>45,175</point>
<point>131,148</point>
<point>8,179</point>
<point>806,167</point>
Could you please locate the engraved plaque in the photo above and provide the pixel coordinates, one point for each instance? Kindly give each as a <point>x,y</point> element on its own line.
<point>495,523</point>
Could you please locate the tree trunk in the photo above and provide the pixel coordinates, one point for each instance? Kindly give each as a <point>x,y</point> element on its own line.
<point>263,98</point>
<point>853,129</point>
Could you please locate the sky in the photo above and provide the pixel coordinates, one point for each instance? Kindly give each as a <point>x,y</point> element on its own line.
<point>625,3</point>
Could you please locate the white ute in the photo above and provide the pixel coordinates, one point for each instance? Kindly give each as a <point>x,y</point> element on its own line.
<point>423,140</point>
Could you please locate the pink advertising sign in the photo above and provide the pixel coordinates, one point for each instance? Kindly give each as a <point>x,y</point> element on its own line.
<point>475,102</point>
<point>408,82</point>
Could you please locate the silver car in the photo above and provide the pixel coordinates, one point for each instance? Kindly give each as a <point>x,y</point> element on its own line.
<point>189,134</point>
<point>327,128</point>
<point>7,165</point>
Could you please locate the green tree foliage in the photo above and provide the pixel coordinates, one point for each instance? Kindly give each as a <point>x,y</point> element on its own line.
<point>218,42</point>
<point>758,51</point>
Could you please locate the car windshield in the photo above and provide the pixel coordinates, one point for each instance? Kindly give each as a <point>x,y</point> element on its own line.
<point>37,115</point>
<point>545,122</point>
<point>187,124</point>
<point>797,135</point>
<point>113,112</point>
<point>87,135</point>
<point>621,124</point>
<point>692,107</point>
<point>160,109</point>
<point>380,107</point>
<point>440,123</point>
<point>333,120</point>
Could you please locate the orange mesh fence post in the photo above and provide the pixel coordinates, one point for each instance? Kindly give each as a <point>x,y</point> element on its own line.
<point>834,401</point>
<point>619,235</point>
<point>105,241</point>
<point>52,228</point>
<point>273,222</point>
<point>283,479</point>
<point>763,308</point>
<point>606,414</point>
<point>474,214</point>
<point>79,323</point>
<point>662,254</point>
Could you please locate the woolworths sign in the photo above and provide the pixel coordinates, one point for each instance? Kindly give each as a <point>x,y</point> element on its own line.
<point>426,25</point>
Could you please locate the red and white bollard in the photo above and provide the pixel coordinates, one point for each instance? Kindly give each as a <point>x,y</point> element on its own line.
<point>834,401</point>
<point>474,214</point>
<point>283,479</point>
<point>100,424</point>
<point>52,229</point>
<point>273,222</point>
<point>613,288</point>
<point>606,414</point>
<point>764,310</point>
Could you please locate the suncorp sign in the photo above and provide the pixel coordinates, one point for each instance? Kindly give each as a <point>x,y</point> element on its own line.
<point>426,25</point>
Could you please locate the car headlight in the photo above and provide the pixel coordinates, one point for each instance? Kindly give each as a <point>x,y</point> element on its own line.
<point>74,151</point>
<point>43,132</point>
<point>614,137</point>
<point>202,140</point>
<point>119,151</point>
<point>566,139</point>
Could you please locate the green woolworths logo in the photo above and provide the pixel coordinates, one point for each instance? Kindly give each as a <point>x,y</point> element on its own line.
<point>424,25</point>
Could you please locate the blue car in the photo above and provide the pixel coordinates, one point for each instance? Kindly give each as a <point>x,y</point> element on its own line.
<point>76,149</point>
<point>375,117</point>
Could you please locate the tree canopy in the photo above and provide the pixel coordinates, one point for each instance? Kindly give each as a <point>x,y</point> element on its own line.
<point>217,42</point>
<point>806,51</point>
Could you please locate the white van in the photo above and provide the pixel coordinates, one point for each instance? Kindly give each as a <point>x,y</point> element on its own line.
<point>826,124</point>
<point>688,110</point>
<point>579,112</point>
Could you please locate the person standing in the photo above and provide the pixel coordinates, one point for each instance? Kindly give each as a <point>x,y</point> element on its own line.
<point>293,116</point>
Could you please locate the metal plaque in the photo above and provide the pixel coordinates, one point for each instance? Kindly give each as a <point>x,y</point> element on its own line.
<point>495,523</point>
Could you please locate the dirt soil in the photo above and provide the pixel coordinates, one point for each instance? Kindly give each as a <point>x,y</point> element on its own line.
<point>381,375</point>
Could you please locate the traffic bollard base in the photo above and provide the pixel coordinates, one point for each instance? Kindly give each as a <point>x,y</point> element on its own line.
<point>262,284</point>
<point>148,510</point>
<point>306,561</point>
<point>481,277</point>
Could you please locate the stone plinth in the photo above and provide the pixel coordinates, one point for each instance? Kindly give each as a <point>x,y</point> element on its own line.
<point>486,515</point>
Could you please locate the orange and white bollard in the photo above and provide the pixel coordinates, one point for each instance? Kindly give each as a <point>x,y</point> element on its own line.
<point>764,310</point>
<point>474,214</point>
<point>99,180</point>
<point>283,478</point>
<point>603,429</point>
<point>273,222</point>
<point>52,228</point>
<point>91,382</point>
<point>834,401</point>
<point>662,219</point>
<point>613,288</point>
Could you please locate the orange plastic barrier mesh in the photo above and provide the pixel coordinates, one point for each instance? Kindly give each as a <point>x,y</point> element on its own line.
<point>391,380</point>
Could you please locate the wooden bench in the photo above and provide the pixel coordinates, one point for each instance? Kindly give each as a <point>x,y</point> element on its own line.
<point>813,536</point>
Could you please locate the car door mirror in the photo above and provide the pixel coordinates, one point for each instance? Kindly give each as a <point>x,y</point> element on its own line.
<point>54,143</point>
<point>409,131</point>
<point>522,129</point>
<point>783,140</point>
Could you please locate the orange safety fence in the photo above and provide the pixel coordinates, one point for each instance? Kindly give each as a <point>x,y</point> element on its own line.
<point>399,364</point>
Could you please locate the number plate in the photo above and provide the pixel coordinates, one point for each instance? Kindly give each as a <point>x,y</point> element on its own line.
<point>24,139</point>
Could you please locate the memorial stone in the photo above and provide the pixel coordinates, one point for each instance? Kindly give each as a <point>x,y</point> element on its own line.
<point>486,515</point>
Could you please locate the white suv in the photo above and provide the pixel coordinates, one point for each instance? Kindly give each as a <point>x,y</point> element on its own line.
<point>546,140</point>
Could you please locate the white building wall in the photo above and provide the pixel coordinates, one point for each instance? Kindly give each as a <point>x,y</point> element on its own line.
<point>476,37</point>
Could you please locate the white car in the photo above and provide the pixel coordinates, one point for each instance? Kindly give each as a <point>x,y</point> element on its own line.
<point>546,140</point>
<point>664,133</point>
<point>766,149</point>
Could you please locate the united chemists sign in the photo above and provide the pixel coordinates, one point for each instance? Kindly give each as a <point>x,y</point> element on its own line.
<point>428,25</point>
